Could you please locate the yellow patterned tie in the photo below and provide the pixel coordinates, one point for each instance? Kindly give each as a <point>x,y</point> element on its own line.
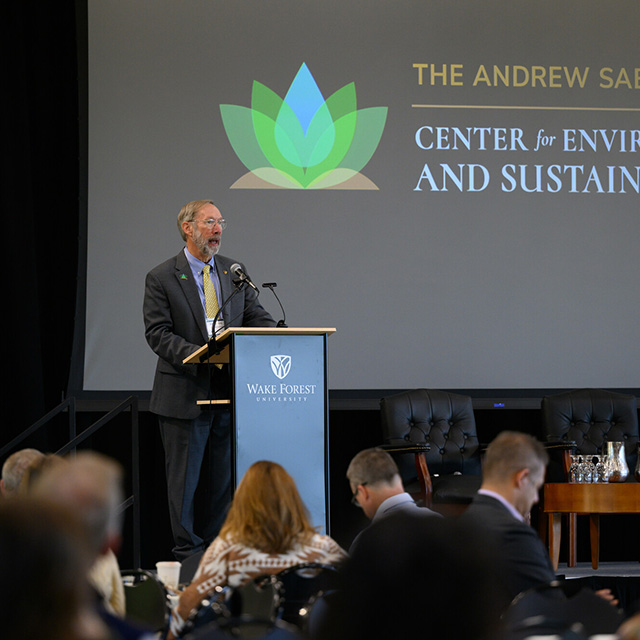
<point>210,298</point>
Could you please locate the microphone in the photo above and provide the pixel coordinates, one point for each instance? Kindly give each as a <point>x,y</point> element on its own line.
<point>237,271</point>
<point>272,286</point>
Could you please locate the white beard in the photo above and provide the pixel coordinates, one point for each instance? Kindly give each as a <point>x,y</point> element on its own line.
<point>203,244</point>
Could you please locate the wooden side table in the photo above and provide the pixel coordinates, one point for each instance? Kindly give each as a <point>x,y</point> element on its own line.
<point>590,499</point>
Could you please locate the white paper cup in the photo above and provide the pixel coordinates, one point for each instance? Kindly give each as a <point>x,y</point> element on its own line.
<point>169,573</point>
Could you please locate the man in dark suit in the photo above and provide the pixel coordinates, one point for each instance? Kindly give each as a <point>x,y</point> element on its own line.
<point>512,474</point>
<point>182,298</point>
<point>376,487</point>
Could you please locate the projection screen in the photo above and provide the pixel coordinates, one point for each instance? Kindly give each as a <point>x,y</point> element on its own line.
<point>453,185</point>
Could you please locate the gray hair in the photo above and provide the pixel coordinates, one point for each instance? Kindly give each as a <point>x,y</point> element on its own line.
<point>91,484</point>
<point>188,213</point>
<point>372,467</point>
<point>15,467</point>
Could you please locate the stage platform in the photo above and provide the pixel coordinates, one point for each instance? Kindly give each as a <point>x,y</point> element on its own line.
<point>623,578</point>
<point>584,570</point>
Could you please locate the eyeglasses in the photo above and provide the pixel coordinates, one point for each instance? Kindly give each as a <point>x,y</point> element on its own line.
<point>354,497</point>
<point>212,222</point>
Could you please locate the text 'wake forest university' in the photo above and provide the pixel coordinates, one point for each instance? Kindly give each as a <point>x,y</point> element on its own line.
<point>281,392</point>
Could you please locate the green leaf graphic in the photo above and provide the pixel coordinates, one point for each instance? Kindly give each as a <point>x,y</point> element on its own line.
<point>304,141</point>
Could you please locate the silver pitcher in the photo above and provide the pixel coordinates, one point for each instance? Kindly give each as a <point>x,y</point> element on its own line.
<point>617,462</point>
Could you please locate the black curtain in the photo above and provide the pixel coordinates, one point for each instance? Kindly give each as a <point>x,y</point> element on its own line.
<point>40,205</point>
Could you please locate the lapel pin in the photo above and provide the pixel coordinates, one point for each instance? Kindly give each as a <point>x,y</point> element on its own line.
<point>183,277</point>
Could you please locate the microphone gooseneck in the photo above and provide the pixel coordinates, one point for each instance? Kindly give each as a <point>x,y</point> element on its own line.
<point>272,286</point>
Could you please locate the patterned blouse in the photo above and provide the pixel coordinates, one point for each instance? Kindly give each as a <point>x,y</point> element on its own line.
<point>226,563</point>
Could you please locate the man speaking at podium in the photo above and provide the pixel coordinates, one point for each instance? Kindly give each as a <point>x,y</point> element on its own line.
<point>184,298</point>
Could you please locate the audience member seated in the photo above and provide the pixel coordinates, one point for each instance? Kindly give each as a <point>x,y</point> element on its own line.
<point>36,468</point>
<point>513,472</point>
<point>411,577</point>
<point>266,530</point>
<point>91,484</point>
<point>377,487</point>
<point>15,467</point>
<point>44,558</point>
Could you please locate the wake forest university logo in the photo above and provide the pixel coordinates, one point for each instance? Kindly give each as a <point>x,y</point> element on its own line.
<point>303,141</point>
<point>281,365</point>
<point>293,391</point>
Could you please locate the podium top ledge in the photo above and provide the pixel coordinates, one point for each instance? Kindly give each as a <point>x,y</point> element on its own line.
<point>282,331</point>
<point>224,337</point>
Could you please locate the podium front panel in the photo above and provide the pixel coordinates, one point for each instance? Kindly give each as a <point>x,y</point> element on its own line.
<point>280,410</point>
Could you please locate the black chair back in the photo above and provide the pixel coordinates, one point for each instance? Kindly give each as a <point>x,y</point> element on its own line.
<point>446,423</point>
<point>590,418</point>
<point>302,585</point>
<point>258,601</point>
<point>145,598</point>
<point>443,420</point>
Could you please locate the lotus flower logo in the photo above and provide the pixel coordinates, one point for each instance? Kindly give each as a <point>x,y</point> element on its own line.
<point>303,141</point>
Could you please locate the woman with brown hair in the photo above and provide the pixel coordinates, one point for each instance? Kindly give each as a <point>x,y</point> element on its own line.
<point>266,530</point>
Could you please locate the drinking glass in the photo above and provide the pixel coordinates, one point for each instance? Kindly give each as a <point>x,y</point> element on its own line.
<point>573,468</point>
<point>601,471</point>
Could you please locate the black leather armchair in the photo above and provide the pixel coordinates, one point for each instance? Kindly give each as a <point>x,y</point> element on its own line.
<point>581,421</point>
<point>590,418</point>
<point>441,428</point>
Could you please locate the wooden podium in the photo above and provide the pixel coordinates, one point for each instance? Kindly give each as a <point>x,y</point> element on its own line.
<point>279,404</point>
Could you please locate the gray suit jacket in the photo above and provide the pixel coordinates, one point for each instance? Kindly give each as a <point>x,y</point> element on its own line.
<point>175,327</point>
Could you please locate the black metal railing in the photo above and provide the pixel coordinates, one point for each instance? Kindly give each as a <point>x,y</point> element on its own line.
<point>66,405</point>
